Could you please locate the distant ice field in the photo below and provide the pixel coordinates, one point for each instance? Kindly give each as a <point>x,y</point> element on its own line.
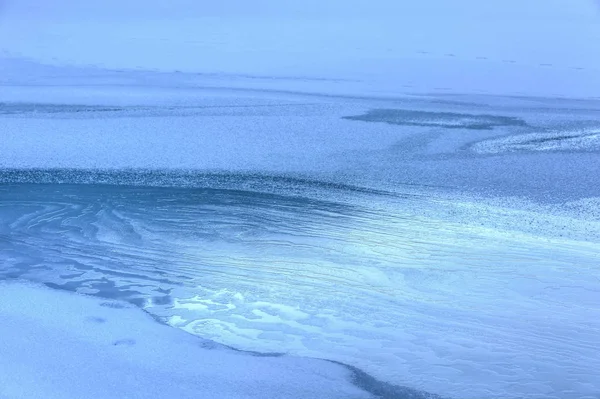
<point>540,148</point>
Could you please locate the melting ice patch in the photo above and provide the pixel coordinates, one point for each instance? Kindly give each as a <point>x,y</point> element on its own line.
<point>449,120</point>
<point>582,140</point>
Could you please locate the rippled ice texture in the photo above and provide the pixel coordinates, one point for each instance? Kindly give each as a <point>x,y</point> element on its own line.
<point>349,276</point>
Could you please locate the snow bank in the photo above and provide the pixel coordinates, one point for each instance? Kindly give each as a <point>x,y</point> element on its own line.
<point>59,345</point>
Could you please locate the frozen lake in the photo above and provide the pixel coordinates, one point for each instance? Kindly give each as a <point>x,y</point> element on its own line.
<point>445,244</point>
<point>357,199</point>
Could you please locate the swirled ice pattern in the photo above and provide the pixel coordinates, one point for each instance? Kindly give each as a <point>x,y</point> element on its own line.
<point>355,276</point>
<point>584,140</point>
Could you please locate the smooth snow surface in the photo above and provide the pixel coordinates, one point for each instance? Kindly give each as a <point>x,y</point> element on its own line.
<point>60,345</point>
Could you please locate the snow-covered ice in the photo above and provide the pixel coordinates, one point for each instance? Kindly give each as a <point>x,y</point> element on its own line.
<point>60,345</point>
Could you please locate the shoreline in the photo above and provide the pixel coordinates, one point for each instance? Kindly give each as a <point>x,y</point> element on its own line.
<point>91,327</point>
